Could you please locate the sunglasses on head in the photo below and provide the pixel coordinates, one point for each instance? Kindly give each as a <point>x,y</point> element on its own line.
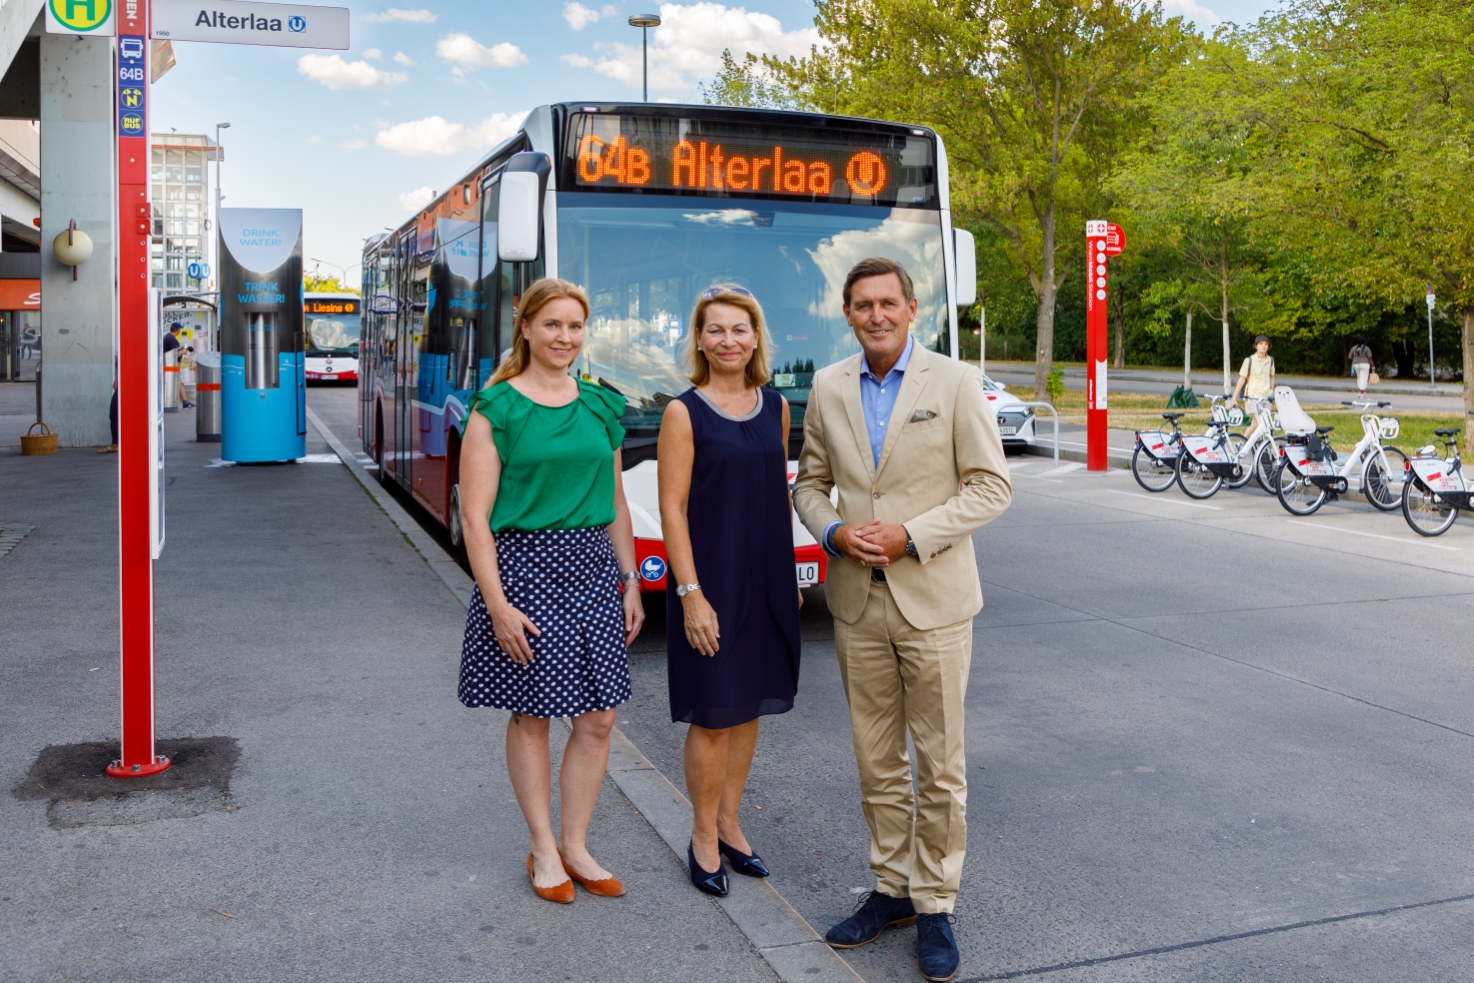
<point>712,293</point>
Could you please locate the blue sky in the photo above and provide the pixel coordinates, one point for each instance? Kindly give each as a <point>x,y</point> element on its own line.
<point>360,138</point>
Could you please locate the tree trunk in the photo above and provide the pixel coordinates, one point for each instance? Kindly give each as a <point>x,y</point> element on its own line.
<point>1187,355</point>
<point>1044,346</point>
<point>1466,324</point>
<point>1117,303</point>
<point>1227,353</point>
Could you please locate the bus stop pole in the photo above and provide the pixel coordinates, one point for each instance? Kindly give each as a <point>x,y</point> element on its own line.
<point>138,412</point>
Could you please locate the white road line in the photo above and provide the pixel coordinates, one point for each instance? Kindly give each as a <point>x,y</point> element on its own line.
<point>1169,501</point>
<point>1062,469</point>
<point>1015,465</point>
<point>1372,535</point>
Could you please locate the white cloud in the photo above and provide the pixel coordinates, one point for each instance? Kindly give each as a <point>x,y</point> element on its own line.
<point>688,44</point>
<point>356,143</point>
<point>373,53</point>
<point>335,73</point>
<point>577,61</point>
<point>609,10</point>
<point>1193,11</point>
<point>467,52</point>
<point>314,139</point>
<point>434,136</point>
<point>413,201</point>
<point>578,16</point>
<point>403,59</point>
<point>420,16</point>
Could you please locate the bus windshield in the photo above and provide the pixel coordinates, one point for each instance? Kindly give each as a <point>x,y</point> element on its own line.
<point>332,335</point>
<point>644,259</point>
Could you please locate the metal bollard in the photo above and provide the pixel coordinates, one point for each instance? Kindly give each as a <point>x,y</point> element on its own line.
<point>207,397</point>
<point>171,381</point>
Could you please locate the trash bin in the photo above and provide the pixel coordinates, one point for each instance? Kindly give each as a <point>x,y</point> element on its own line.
<point>207,397</point>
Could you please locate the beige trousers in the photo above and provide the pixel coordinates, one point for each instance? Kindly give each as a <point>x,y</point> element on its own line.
<point>896,678</point>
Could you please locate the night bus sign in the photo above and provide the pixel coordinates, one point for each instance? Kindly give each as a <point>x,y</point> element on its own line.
<point>140,436</point>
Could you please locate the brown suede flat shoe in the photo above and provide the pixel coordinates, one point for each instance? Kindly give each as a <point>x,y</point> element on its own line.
<point>609,887</point>
<point>561,893</point>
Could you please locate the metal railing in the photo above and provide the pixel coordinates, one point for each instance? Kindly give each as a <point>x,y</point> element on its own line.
<point>1054,414</point>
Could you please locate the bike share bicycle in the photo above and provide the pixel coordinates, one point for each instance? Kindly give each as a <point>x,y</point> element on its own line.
<point>1154,461</point>
<point>1207,461</point>
<point>1435,488</point>
<point>1307,475</point>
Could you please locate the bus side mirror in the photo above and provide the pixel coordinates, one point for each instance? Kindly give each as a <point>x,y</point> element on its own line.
<point>967,267</point>
<point>519,207</point>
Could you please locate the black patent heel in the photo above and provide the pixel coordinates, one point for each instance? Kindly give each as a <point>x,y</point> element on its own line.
<point>711,883</point>
<point>744,863</point>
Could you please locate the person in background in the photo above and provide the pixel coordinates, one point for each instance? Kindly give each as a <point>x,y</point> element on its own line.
<point>112,419</point>
<point>1361,364</point>
<point>732,628</point>
<point>172,342</point>
<point>907,438</point>
<point>1256,382</point>
<point>549,537</point>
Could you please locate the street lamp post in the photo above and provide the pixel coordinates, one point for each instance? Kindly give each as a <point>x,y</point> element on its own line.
<point>215,250</point>
<point>644,22</point>
<point>343,280</point>
<point>1432,378</point>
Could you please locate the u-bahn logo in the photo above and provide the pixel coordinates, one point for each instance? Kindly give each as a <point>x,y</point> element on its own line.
<point>81,15</point>
<point>297,25</point>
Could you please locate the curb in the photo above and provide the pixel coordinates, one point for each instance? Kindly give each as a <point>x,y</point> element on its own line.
<point>787,943</point>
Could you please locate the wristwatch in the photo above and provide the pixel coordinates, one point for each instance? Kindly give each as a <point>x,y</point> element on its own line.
<point>683,589</point>
<point>633,577</point>
<point>911,546</point>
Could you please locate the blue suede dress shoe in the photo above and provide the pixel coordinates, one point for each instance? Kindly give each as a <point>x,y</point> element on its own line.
<point>708,881</point>
<point>936,947</point>
<point>744,863</point>
<point>875,912</point>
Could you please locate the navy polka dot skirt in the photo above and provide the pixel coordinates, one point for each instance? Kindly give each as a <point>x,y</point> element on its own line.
<point>567,582</point>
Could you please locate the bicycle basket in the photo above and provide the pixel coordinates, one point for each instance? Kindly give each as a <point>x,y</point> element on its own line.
<point>1389,427</point>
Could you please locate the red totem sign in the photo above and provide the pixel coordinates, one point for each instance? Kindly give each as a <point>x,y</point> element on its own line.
<point>1102,240</point>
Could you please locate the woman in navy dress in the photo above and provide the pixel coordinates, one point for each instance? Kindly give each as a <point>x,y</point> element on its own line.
<point>732,636</point>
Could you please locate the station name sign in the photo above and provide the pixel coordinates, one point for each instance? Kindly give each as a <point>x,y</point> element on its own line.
<point>280,25</point>
<point>717,158</point>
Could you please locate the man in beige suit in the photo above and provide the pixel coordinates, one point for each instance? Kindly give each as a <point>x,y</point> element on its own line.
<point>908,439</point>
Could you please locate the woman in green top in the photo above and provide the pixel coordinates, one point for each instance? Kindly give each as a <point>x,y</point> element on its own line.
<point>549,538</point>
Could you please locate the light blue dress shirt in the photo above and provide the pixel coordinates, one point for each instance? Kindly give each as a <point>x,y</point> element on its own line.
<point>878,400</point>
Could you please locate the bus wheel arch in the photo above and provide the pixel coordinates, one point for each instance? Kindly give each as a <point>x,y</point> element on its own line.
<point>453,495</point>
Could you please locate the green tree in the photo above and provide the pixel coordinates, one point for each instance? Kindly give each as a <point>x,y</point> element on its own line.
<point>746,84</point>
<point>1035,100</point>
<point>314,284</point>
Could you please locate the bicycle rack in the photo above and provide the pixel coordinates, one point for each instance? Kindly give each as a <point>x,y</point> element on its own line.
<point>1054,414</point>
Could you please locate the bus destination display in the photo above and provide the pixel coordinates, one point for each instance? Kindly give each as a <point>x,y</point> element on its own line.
<point>335,305</point>
<point>707,157</point>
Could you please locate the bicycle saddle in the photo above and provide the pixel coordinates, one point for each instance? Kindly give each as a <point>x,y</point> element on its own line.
<point>1446,432</point>
<point>1173,416</point>
<point>1324,430</point>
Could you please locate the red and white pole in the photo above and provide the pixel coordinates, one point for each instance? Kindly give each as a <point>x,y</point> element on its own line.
<point>138,357</point>
<point>1102,240</point>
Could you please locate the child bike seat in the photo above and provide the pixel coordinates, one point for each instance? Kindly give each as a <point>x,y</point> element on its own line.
<point>1293,419</point>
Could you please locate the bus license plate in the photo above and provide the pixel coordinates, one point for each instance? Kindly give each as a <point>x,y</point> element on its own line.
<point>808,573</point>
<point>328,375</point>
<point>1008,431</point>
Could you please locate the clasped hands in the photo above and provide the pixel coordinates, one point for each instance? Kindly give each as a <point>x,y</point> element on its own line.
<point>873,543</point>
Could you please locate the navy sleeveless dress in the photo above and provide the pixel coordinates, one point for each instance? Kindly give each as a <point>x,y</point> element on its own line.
<point>742,538</point>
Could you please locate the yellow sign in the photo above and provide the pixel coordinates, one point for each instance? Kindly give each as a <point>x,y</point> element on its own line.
<point>79,17</point>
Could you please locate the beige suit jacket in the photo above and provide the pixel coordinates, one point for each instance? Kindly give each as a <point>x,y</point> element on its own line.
<point>942,475</point>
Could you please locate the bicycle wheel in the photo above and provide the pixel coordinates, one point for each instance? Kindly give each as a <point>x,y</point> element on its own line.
<point>1150,473</point>
<point>1236,442</point>
<point>1428,515</point>
<point>1298,495</point>
<point>1195,479</point>
<point>1266,462</point>
<point>1382,485</point>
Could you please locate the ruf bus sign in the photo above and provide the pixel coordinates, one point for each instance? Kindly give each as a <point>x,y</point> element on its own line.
<point>1102,240</point>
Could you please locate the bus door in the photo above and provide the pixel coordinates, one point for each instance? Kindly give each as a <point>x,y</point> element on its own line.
<point>406,365</point>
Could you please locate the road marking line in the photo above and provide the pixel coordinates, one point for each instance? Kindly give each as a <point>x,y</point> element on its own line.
<point>1015,465</point>
<point>1062,469</point>
<point>1372,535</point>
<point>1169,501</point>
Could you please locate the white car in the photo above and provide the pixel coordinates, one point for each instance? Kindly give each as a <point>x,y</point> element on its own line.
<point>1015,420</point>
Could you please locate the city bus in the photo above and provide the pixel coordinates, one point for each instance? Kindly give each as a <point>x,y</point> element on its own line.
<point>331,332</point>
<point>645,206</point>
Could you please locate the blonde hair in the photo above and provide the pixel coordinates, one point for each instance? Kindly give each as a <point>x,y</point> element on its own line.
<point>538,295</point>
<point>759,367</point>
